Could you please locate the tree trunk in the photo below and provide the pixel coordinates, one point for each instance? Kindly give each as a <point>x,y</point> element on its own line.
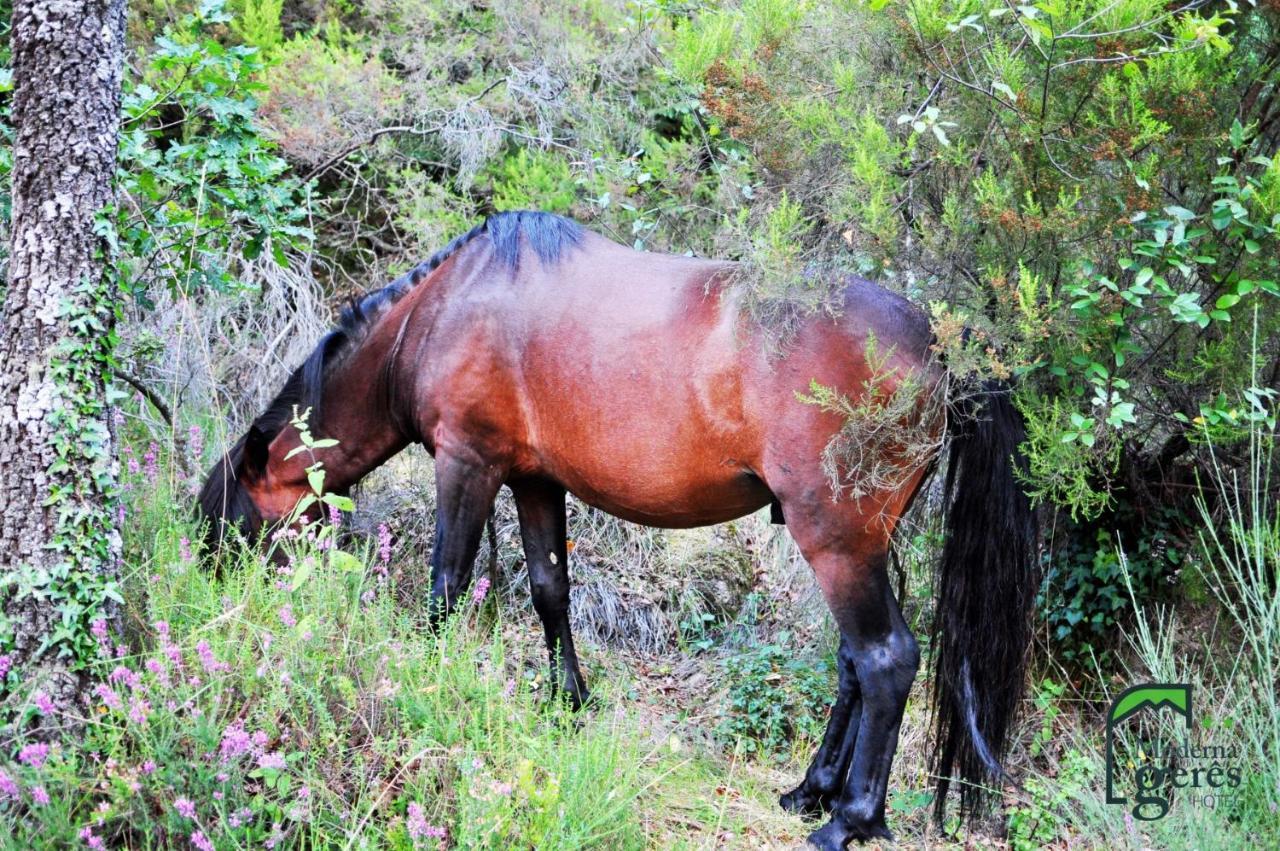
<point>59,549</point>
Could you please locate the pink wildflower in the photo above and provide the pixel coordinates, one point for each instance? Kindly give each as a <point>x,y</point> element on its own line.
<point>44,703</point>
<point>184,549</point>
<point>8,788</point>
<point>418,826</point>
<point>150,460</point>
<point>39,796</point>
<point>286,616</point>
<point>481,589</point>
<point>272,760</point>
<point>235,742</point>
<point>185,807</point>
<point>208,660</point>
<point>195,442</point>
<point>384,543</point>
<point>149,766</point>
<point>139,710</point>
<point>129,677</point>
<point>202,842</point>
<point>6,663</point>
<point>108,695</point>
<point>34,754</point>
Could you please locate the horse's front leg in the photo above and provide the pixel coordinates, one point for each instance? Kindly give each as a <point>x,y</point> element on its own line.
<point>825,778</point>
<point>465,490</point>
<point>540,506</point>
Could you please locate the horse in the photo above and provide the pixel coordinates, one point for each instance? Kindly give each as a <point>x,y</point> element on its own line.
<point>533,353</point>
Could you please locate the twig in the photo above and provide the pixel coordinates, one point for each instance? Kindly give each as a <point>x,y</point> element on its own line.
<point>150,395</point>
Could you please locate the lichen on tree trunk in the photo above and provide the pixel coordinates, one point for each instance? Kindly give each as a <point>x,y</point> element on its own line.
<point>59,550</point>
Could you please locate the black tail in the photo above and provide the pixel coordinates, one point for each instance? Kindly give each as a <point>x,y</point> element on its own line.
<point>986,587</point>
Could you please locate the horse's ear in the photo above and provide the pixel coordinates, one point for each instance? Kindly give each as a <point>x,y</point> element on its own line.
<point>257,448</point>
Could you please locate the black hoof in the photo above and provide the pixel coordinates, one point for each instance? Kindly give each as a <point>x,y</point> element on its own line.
<point>581,699</point>
<point>802,802</point>
<point>836,834</point>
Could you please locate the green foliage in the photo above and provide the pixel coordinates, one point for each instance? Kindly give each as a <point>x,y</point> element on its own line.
<point>197,191</point>
<point>775,698</point>
<point>1085,593</point>
<point>538,179</point>
<point>257,23</point>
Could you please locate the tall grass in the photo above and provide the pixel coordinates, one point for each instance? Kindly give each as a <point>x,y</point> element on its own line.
<point>301,706</point>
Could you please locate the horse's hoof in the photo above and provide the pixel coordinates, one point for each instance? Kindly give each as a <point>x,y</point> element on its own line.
<point>837,833</point>
<point>801,802</point>
<point>581,699</point>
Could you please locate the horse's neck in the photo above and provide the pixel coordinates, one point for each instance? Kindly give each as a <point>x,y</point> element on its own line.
<point>357,414</point>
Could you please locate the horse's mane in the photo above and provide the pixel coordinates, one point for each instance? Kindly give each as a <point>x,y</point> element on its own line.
<point>547,234</point>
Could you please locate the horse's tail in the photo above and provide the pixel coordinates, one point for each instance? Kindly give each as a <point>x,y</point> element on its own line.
<point>986,587</point>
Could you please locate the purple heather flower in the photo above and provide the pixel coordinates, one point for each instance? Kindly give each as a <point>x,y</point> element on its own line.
<point>481,590</point>
<point>202,842</point>
<point>34,754</point>
<point>185,807</point>
<point>44,703</point>
<point>39,796</point>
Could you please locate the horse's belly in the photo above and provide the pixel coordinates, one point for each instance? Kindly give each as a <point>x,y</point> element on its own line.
<point>674,502</point>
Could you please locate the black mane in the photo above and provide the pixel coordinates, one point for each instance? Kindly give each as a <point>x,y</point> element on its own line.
<point>547,234</point>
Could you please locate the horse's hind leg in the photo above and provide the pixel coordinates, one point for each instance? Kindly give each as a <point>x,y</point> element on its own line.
<point>849,555</point>
<point>540,505</point>
<point>465,490</point>
<point>825,777</point>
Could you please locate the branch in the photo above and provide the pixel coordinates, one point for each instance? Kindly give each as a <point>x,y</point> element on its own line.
<point>149,394</point>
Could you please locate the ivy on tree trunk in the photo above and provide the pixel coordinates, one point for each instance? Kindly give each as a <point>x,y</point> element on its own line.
<point>59,545</point>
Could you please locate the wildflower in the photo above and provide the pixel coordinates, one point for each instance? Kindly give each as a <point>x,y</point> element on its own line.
<point>98,629</point>
<point>149,766</point>
<point>39,796</point>
<point>286,616</point>
<point>185,807</point>
<point>482,588</point>
<point>509,689</point>
<point>90,838</point>
<point>6,662</point>
<point>285,679</point>
<point>235,742</point>
<point>208,660</point>
<point>195,442</point>
<point>8,788</point>
<point>150,460</point>
<point>139,710</point>
<point>200,841</point>
<point>159,671</point>
<point>384,543</point>
<point>418,826</point>
<point>335,516</point>
<point>272,760</point>
<point>108,695</point>
<point>44,703</point>
<point>34,755</point>
<point>184,549</point>
<point>121,674</point>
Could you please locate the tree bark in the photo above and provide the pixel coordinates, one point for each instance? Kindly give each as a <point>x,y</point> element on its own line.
<point>59,550</point>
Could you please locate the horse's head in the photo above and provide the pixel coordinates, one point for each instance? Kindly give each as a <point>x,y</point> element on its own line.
<point>253,488</point>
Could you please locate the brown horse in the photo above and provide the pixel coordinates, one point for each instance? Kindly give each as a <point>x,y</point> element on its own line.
<point>535,354</point>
